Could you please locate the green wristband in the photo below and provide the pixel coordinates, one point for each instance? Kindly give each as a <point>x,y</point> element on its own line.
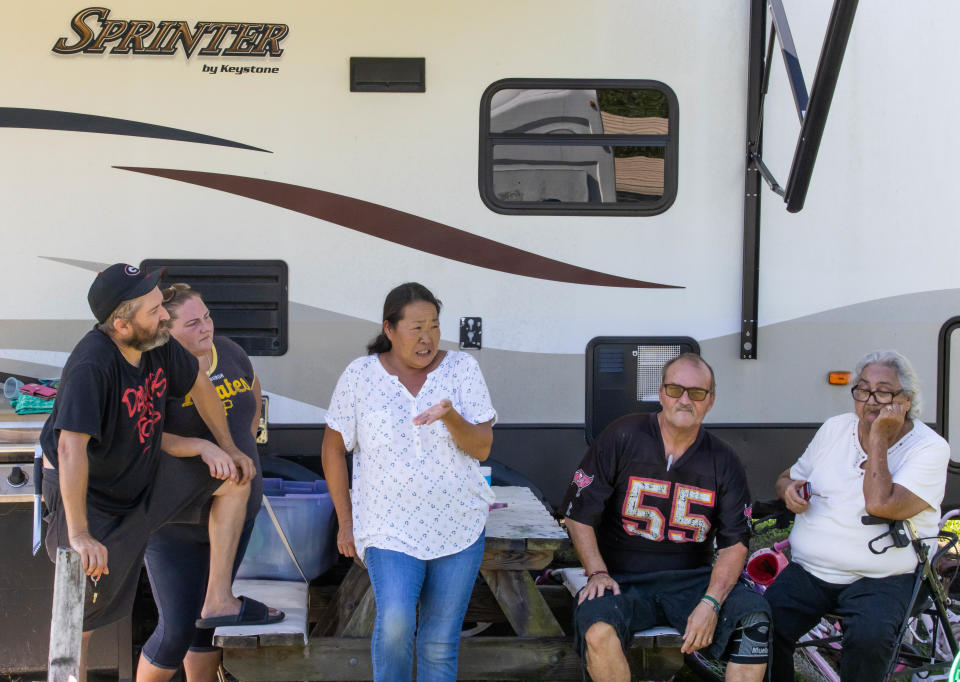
<point>714,604</point>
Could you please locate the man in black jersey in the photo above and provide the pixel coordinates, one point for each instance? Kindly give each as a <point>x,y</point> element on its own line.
<point>651,496</point>
<point>106,484</point>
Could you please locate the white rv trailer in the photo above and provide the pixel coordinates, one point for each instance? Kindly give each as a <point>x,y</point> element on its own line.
<point>211,131</point>
<point>561,170</point>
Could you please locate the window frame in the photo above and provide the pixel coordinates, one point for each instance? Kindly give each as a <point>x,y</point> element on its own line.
<point>488,140</point>
<point>944,342</point>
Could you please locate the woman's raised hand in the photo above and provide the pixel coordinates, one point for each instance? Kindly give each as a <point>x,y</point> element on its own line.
<point>433,413</point>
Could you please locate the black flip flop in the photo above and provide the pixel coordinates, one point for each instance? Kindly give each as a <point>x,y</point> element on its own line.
<point>252,612</point>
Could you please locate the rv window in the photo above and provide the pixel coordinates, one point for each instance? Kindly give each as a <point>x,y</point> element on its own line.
<point>578,147</point>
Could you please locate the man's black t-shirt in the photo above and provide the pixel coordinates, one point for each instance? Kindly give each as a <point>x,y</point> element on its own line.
<point>122,408</point>
<point>650,519</point>
<point>232,375</point>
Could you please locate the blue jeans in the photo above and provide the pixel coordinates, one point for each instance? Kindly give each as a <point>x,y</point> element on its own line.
<point>443,587</point>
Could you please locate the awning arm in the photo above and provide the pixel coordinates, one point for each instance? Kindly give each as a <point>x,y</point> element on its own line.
<point>789,51</point>
<point>757,77</point>
<point>821,95</point>
<point>812,111</point>
<point>767,175</point>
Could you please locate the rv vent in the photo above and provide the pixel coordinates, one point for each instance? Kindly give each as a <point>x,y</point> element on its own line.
<point>388,74</point>
<point>650,362</point>
<point>247,298</point>
<point>618,385</point>
<point>609,360</point>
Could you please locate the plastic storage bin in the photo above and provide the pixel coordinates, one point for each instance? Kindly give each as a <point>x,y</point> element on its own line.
<point>305,512</point>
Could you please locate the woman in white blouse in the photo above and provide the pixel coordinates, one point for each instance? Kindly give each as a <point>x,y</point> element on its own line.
<point>419,422</point>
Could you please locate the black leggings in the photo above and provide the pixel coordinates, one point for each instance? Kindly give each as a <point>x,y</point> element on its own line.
<point>178,562</point>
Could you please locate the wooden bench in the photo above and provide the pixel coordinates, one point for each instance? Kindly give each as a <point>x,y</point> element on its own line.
<point>290,597</point>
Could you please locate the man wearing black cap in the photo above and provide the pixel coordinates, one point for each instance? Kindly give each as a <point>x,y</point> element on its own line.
<point>107,485</point>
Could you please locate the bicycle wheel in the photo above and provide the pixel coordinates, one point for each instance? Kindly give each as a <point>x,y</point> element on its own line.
<point>707,669</point>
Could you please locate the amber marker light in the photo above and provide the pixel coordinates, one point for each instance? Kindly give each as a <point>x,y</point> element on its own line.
<point>838,378</point>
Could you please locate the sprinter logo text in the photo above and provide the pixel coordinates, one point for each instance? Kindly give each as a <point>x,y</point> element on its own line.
<point>95,32</point>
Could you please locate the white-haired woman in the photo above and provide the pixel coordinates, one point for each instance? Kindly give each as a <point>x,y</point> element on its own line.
<point>879,459</point>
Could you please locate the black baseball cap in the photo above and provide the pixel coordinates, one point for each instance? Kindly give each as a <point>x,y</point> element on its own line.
<point>118,283</point>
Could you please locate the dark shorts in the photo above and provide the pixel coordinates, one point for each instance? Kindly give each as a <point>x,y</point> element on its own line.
<point>664,598</point>
<point>180,483</point>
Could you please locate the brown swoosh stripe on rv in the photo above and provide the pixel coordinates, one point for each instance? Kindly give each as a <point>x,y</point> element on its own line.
<point>401,228</point>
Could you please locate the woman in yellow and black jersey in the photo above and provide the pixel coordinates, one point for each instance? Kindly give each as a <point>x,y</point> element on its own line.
<point>177,556</point>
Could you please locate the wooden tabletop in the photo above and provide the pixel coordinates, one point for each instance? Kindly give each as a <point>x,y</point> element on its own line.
<point>19,428</point>
<point>523,524</point>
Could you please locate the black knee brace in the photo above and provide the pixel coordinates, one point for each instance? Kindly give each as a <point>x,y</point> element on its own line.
<point>750,642</point>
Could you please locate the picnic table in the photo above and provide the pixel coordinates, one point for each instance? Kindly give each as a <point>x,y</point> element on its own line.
<point>520,537</point>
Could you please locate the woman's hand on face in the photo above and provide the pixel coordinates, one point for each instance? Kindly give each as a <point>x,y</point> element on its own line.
<point>345,541</point>
<point>890,419</point>
<point>433,413</point>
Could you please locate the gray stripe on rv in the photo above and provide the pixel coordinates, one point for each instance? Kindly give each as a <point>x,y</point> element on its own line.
<point>787,384</point>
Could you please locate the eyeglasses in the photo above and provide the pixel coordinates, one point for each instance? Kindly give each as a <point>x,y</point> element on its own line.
<point>862,395</point>
<point>676,390</point>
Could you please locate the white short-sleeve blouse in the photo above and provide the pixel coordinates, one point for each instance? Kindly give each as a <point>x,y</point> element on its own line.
<point>414,490</point>
<point>829,540</point>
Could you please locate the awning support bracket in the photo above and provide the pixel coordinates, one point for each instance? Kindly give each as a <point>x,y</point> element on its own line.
<point>812,111</point>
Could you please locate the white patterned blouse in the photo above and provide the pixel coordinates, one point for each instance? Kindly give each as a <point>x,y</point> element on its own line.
<point>414,490</point>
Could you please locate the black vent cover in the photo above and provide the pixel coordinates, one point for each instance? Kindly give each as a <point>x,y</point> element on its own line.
<point>388,74</point>
<point>623,375</point>
<point>247,298</point>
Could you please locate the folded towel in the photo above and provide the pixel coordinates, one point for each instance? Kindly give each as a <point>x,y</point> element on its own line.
<point>30,404</point>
